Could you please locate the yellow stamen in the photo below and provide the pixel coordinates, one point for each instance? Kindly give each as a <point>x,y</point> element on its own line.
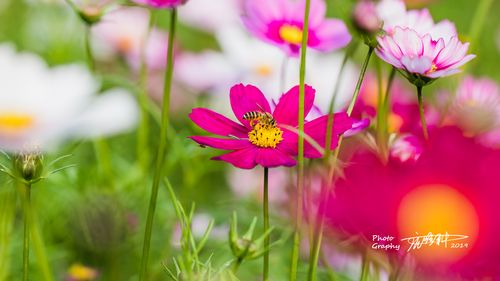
<point>433,69</point>
<point>264,70</point>
<point>14,122</point>
<point>265,135</point>
<point>291,34</point>
<point>82,273</point>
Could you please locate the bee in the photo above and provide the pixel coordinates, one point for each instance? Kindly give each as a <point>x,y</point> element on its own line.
<point>264,118</point>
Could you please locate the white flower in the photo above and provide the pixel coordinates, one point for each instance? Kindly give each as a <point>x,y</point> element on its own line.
<point>40,107</point>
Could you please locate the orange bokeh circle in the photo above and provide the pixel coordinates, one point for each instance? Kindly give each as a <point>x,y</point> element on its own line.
<point>438,209</point>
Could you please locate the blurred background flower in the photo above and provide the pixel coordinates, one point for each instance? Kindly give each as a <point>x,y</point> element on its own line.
<point>56,104</point>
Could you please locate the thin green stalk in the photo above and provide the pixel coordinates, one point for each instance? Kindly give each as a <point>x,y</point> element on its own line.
<point>236,265</point>
<point>315,250</point>
<point>101,146</point>
<point>329,125</point>
<point>160,156</point>
<point>7,215</point>
<point>143,153</point>
<point>478,20</point>
<point>265,208</point>
<point>360,81</point>
<point>422,115</point>
<point>39,246</point>
<point>383,115</point>
<point>26,240</point>
<point>88,49</point>
<point>300,158</point>
<point>365,268</point>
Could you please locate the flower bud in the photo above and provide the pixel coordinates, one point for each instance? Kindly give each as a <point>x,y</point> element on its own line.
<point>28,166</point>
<point>365,17</point>
<point>90,14</point>
<point>246,247</point>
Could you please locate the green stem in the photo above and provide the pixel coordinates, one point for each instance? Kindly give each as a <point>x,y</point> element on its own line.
<point>360,81</point>
<point>160,157</point>
<point>329,126</point>
<point>300,158</point>
<point>266,223</point>
<point>315,250</point>
<point>27,223</point>
<point>88,49</point>
<point>422,115</point>
<point>478,22</point>
<point>365,268</point>
<point>143,152</point>
<point>383,116</point>
<point>100,145</point>
<point>236,265</point>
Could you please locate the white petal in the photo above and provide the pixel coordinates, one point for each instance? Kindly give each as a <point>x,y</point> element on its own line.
<point>113,112</point>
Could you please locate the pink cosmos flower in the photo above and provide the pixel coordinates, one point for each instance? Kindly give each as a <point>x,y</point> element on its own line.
<point>161,4</point>
<point>422,58</point>
<point>393,13</point>
<point>268,138</point>
<point>476,109</point>
<point>280,22</point>
<point>372,198</point>
<point>365,16</point>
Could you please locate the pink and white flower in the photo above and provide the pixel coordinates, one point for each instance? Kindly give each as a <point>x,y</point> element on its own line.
<point>422,58</point>
<point>281,23</point>
<point>393,13</point>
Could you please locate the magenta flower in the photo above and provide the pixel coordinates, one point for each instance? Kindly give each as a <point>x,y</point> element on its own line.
<point>161,4</point>
<point>421,58</point>
<point>280,22</point>
<point>264,137</point>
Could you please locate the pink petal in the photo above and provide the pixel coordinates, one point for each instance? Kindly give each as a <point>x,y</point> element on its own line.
<point>287,109</point>
<point>245,99</point>
<point>316,13</point>
<point>332,34</point>
<point>243,158</point>
<point>215,123</point>
<point>408,41</point>
<point>443,29</point>
<point>316,129</point>
<point>270,157</point>
<point>420,65</point>
<point>225,144</point>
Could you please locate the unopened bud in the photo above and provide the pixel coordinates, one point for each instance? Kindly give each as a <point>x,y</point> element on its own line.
<point>246,246</point>
<point>365,17</point>
<point>90,14</point>
<point>29,166</point>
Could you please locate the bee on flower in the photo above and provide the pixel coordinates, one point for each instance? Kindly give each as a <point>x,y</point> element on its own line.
<point>265,137</point>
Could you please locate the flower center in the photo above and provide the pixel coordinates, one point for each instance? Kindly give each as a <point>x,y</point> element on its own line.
<point>291,34</point>
<point>433,69</point>
<point>265,135</point>
<point>125,44</point>
<point>14,122</point>
<point>263,70</point>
